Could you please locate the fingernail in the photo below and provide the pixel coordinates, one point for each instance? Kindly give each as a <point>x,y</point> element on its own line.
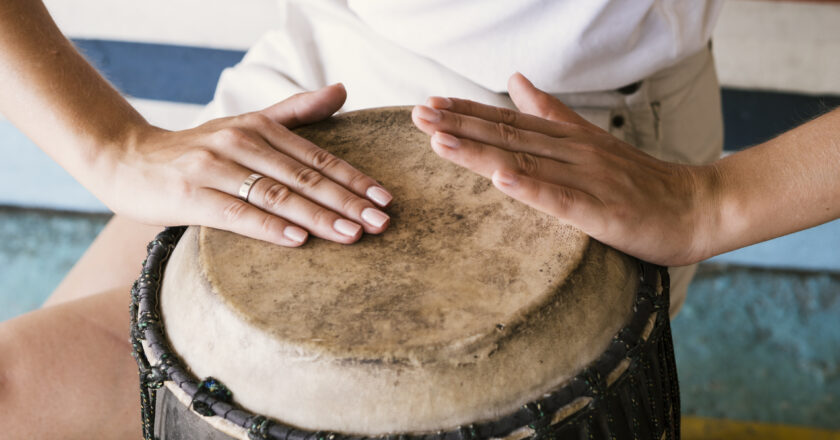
<point>427,113</point>
<point>439,102</point>
<point>379,195</point>
<point>505,178</point>
<point>447,140</point>
<point>374,217</point>
<point>295,233</point>
<point>346,227</point>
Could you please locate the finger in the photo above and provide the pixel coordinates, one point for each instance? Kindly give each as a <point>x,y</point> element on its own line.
<point>309,154</point>
<point>503,115</point>
<point>568,204</point>
<point>221,211</point>
<point>252,152</point>
<point>485,159</point>
<point>307,107</point>
<point>277,198</point>
<point>534,101</point>
<point>498,134</point>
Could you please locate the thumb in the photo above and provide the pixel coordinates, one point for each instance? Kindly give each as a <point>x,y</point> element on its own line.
<point>531,100</point>
<point>307,107</point>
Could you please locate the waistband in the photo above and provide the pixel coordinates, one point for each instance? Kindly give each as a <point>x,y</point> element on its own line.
<point>655,87</point>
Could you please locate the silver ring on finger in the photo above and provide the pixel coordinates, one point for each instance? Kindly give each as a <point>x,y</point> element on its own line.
<point>245,188</point>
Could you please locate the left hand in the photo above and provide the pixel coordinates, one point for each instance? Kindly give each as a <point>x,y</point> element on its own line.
<point>549,157</point>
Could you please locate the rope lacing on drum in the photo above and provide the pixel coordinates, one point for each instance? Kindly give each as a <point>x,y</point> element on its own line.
<point>540,422</point>
<point>258,428</point>
<point>536,416</point>
<point>156,375</point>
<point>210,387</point>
<point>142,291</point>
<point>468,432</point>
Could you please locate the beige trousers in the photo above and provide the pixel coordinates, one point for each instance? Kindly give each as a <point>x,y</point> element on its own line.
<point>674,115</point>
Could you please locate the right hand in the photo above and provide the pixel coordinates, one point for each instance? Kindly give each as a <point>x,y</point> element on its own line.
<point>550,158</point>
<point>193,177</point>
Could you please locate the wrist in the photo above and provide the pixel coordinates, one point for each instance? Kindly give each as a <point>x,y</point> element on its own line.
<point>706,211</point>
<point>111,150</point>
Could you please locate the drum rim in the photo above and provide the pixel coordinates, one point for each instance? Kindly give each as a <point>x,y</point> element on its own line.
<point>146,325</point>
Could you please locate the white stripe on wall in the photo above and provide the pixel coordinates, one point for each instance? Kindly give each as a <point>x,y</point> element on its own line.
<point>209,23</point>
<point>168,115</point>
<point>30,178</point>
<point>782,46</point>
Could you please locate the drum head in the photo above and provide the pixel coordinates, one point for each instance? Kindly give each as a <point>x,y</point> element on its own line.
<point>470,304</point>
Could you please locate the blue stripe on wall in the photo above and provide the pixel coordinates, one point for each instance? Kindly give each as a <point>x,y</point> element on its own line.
<point>28,177</point>
<point>160,71</point>
<point>751,117</point>
<point>189,74</point>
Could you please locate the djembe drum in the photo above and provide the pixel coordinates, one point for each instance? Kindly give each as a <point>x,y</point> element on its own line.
<point>472,316</point>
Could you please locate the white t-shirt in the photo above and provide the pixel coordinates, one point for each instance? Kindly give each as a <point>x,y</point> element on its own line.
<point>561,45</point>
<point>399,52</point>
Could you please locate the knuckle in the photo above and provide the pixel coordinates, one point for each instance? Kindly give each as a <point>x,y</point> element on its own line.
<point>183,189</point>
<point>200,159</point>
<point>508,116</point>
<point>559,200</point>
<point>526,162</point>
<point>353,204</point>
<point>470,106</point>
<point>259,120</point>
<point>508,133</point>
<point>231,136</point>
<point>360,181</point>
<point>586,150</point>
<point>456,121</point>
<point>307,178</point>
<point>270,225</point>
<point>276,195</point>
<point>564,199</point>
<point>234,210</point>
<point>321,159</point>
<point>323,217</point>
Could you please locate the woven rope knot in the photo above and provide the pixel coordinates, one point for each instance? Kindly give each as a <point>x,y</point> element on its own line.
<point>155,377</point>
<point>210,387</point>
<point>153,244</point>
<point>137,335</point>
<point>258,428</point>
<point>326,435</point>
<point>595,383</point>
<point>147,319</point>
<point>147,279</point>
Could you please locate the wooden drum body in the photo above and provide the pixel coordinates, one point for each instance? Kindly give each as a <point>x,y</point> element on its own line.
<point>472,316</point>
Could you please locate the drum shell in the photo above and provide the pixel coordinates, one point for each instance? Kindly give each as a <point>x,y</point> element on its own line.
<point>600,279</point>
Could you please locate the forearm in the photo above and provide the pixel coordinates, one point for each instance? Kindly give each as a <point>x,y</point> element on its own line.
<point>782,186</point>
<point>54,96</point>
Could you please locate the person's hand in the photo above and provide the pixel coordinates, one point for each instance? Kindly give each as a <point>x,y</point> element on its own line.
<point>549,157</point>
<point>194,176</point>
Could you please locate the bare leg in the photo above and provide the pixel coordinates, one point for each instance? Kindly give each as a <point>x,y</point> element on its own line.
<point>112,261</point>
<point>66,372</point>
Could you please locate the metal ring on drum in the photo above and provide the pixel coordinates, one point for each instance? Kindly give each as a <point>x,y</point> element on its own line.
<point>473,316</point>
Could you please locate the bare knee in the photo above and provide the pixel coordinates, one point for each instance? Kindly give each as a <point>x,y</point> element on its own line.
<point>15,378</point>
<point>51,357</point>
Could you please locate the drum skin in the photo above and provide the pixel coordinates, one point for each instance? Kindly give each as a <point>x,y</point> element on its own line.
<point>470,305</point>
